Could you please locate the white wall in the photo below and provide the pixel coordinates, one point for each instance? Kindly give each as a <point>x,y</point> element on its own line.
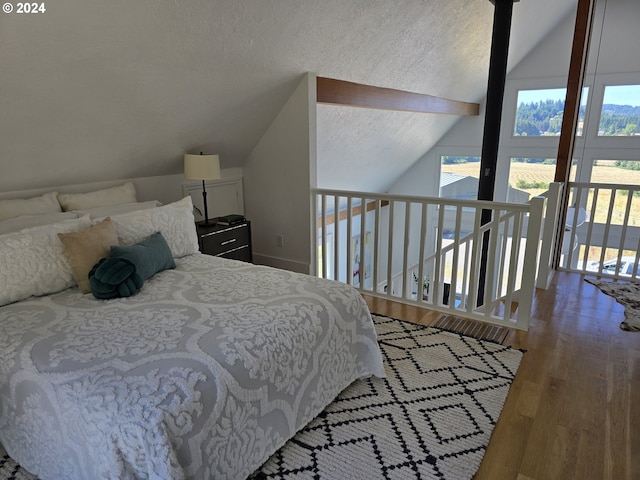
<point>617,51</point>
<point>278,176</point>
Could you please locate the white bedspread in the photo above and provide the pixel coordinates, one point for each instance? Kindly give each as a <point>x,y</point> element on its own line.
<point>204,373</point>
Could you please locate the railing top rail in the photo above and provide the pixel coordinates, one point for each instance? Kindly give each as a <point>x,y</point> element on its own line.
<point>617,186</point>
<point>490,205</point>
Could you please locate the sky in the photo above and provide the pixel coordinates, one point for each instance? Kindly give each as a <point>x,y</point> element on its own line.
<point>617,95</point>
<point>622,95</point>
<point>528,96</point>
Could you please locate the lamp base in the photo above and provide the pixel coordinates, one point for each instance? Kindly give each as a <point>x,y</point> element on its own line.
<point>207,223</point>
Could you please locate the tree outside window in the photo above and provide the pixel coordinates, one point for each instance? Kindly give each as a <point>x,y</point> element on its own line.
<point>539,112</point>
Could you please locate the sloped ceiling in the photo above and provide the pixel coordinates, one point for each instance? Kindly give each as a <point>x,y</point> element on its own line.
<point>96,90</point>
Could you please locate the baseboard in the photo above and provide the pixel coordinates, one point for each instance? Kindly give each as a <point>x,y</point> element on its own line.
<point>282,263</point>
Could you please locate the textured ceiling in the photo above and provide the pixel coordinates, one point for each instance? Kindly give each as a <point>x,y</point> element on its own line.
<point>95,90</point>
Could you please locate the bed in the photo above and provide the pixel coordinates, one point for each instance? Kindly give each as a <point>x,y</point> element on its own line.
<point>204,372</point>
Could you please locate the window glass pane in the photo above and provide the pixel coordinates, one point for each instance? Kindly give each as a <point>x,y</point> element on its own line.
<point>616,171</point>
<point>459,177</point>
<point>620,115</point>
<point>529,177</point>
<point>539,112</point>
<point>612,208</point>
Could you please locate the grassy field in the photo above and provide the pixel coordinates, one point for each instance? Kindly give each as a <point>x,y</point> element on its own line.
<point>604,172</point>
<point>529,172</point>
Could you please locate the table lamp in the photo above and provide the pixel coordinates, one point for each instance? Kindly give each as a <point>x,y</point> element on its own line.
<point>202,167</point>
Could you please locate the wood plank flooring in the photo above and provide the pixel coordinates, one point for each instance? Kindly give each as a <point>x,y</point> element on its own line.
<point>573,411</point>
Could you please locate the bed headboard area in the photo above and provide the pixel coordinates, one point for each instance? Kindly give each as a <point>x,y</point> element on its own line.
<point>225,196</point>
<point>164,188</point>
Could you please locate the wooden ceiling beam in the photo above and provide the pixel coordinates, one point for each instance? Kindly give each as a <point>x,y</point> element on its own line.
<point>339,92</point>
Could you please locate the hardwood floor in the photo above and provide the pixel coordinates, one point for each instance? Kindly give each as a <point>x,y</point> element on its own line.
<point>573,411</point>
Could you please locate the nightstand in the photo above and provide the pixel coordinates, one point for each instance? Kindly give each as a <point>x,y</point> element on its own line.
<point>228,241</point>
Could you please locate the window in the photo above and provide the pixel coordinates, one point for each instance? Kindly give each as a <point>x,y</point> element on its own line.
<point>620,114</point>
<point>615,172</point>
<point>611,211</point>
<point>529,177</point>
<point>459,177</point>
<point>539,112</point>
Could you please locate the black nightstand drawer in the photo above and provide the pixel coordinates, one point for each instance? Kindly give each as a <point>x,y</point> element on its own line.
<point>226,241</point>
<point>242,253</point>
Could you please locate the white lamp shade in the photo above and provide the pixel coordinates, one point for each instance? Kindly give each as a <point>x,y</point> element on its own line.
<point>201,167</point>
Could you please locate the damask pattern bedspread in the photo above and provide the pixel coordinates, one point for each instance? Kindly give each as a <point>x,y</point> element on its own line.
<point>204,373</point>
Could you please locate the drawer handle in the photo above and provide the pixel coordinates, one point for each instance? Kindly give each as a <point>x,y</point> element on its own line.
<point>229,241</point>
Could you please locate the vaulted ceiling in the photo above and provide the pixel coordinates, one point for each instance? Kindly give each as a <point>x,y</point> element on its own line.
<point>96,90</point>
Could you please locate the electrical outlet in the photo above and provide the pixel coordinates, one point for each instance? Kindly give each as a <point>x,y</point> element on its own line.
<point>280,240</point>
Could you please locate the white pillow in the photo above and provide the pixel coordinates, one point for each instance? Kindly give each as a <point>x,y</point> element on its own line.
<point>103,212</point>
<point>27,221</point>
<point>100,198</point>
<point>46,203</point>
<point>175,221</point>
<point>33,261</point>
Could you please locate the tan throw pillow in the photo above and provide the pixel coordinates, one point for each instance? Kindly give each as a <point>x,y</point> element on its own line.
<point>85,248</point>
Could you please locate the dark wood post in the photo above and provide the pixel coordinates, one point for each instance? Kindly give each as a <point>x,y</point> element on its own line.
<point>492,120</point>
<point>577,68</point>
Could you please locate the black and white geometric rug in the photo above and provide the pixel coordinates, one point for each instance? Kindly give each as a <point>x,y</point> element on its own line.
<point>431,418</point>
<point>10,470</point>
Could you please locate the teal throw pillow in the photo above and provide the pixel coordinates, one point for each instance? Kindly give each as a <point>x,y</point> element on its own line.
<point>150,256</point>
